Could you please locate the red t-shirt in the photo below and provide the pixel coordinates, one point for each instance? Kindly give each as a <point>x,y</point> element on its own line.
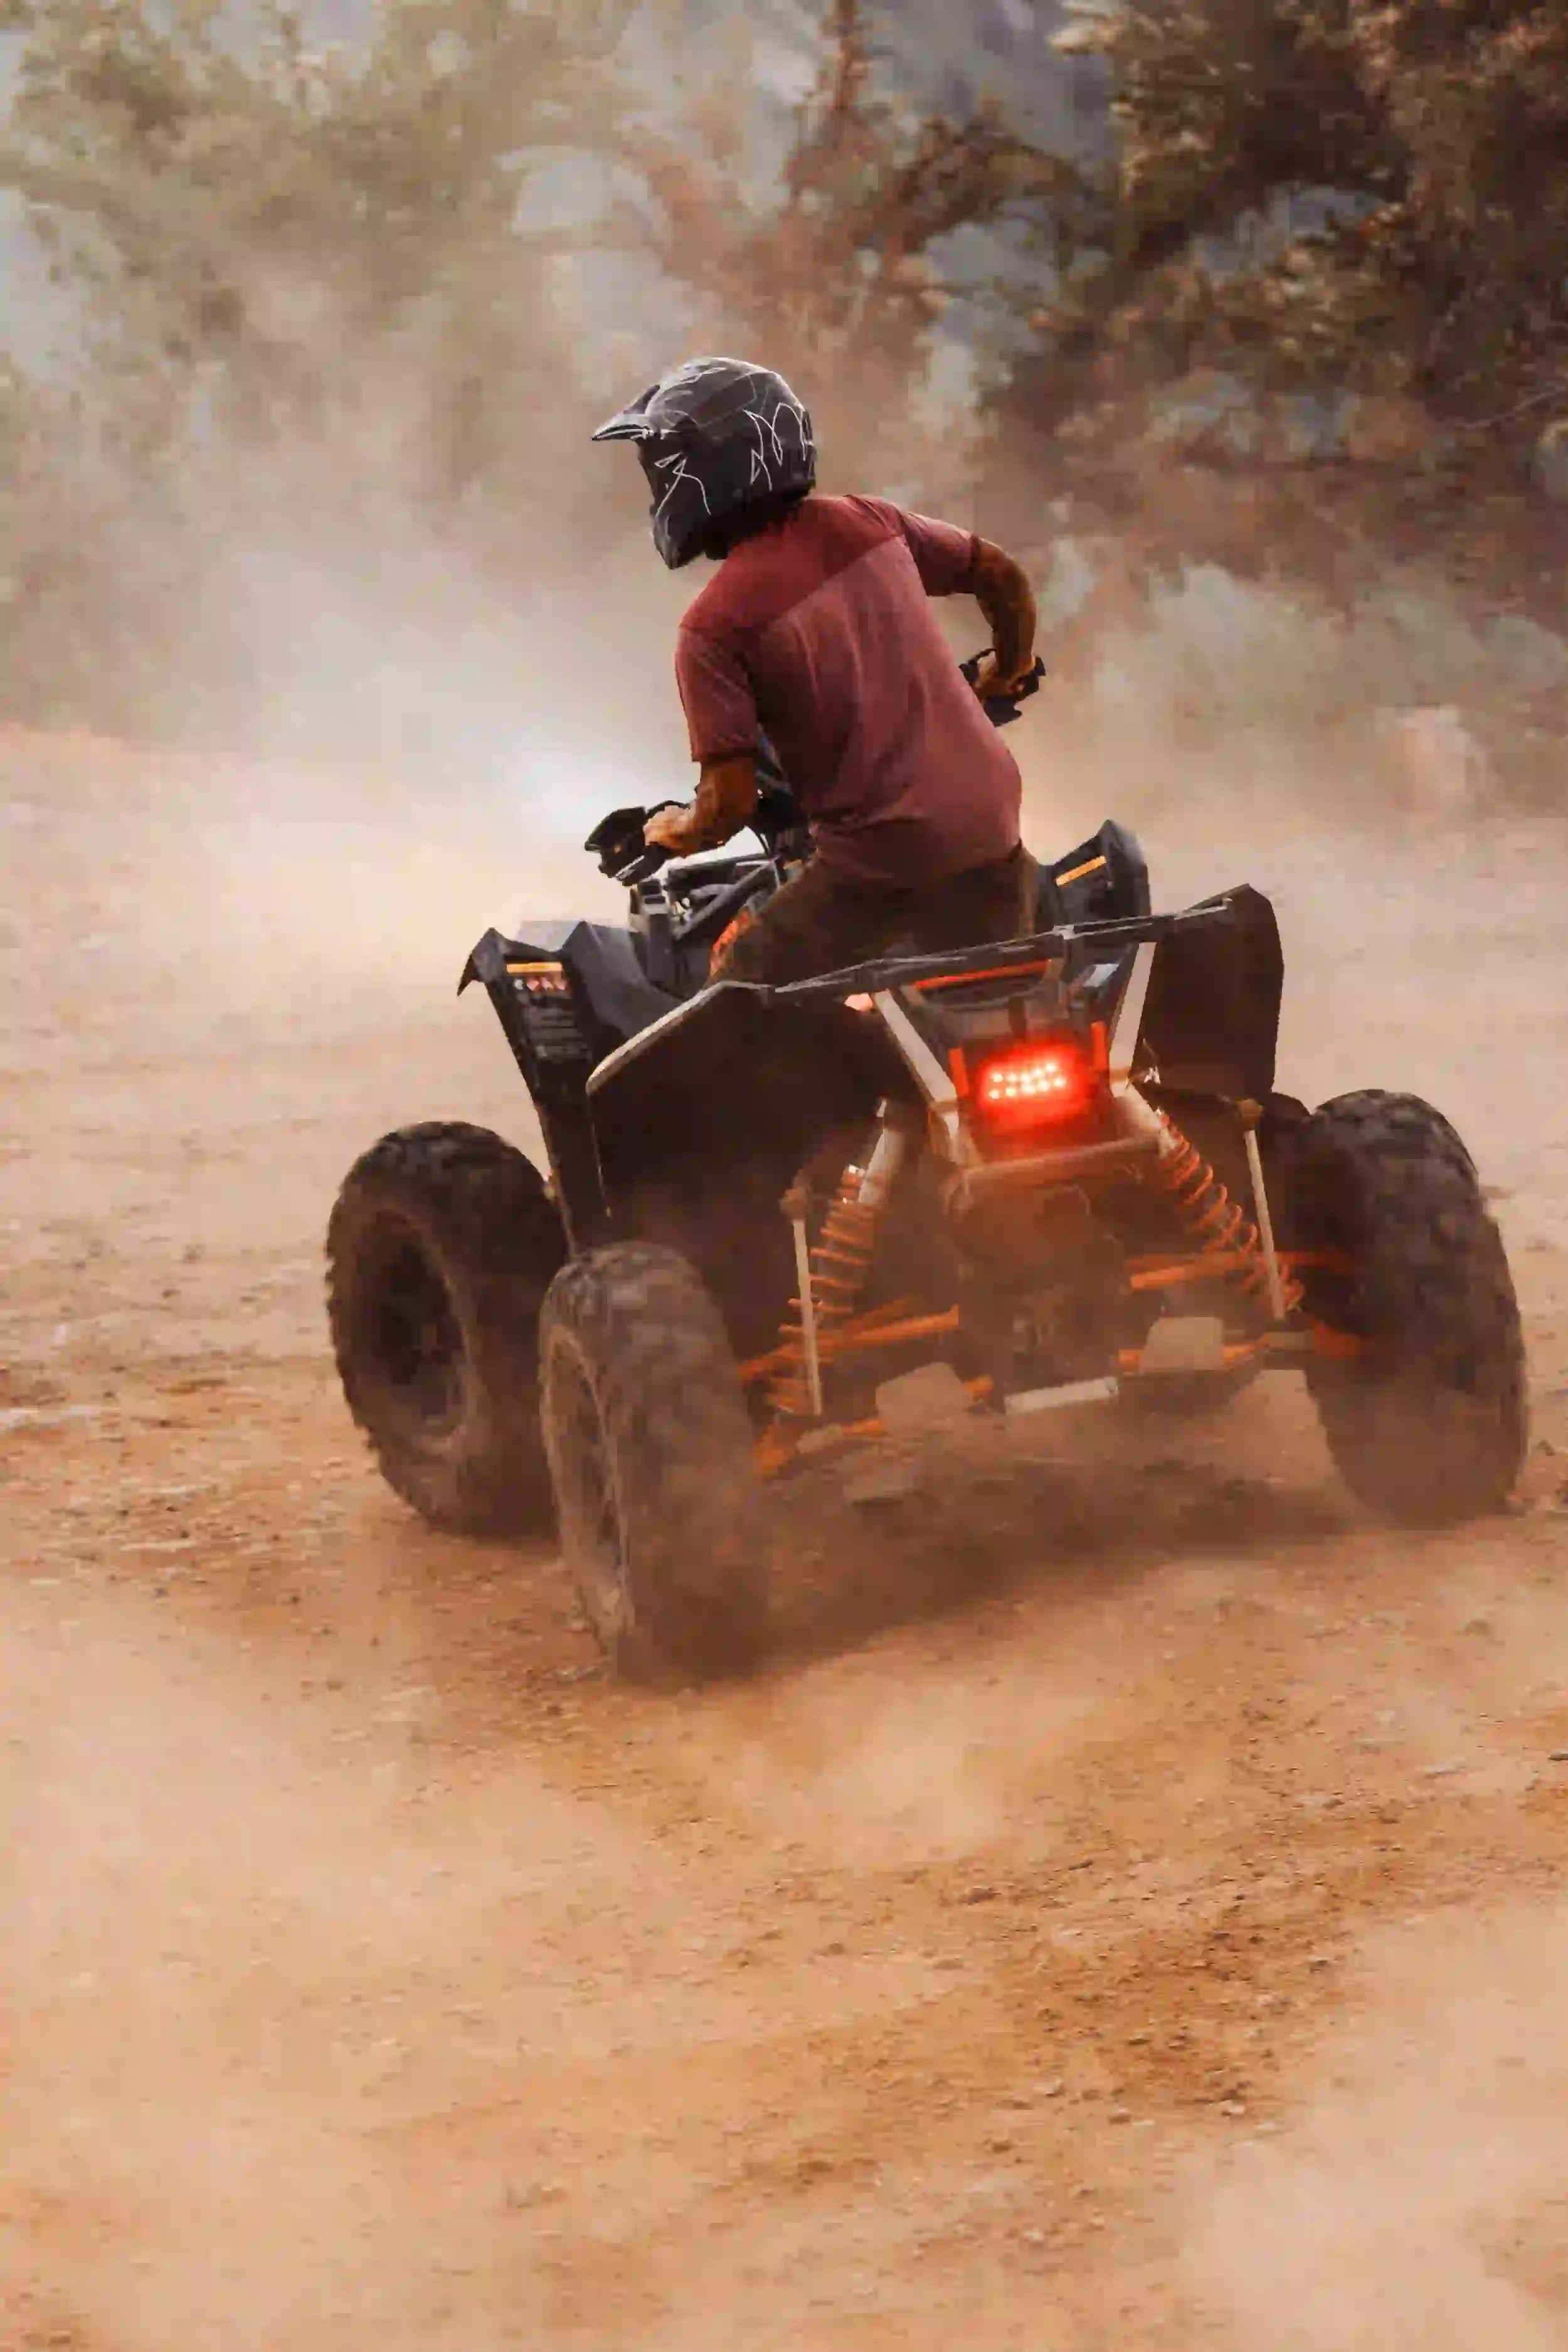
<point>817,632</point>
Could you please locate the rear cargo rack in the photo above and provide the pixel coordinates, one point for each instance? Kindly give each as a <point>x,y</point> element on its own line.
<point>1101,941</point>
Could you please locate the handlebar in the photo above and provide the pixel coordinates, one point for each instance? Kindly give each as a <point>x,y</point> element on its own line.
<point>617,841</point>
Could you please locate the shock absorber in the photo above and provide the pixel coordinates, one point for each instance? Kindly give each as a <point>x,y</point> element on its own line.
<point>1218,1224</point>
<point>833,1272</point>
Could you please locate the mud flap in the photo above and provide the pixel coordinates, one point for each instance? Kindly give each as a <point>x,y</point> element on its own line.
<point>1211,1021</point>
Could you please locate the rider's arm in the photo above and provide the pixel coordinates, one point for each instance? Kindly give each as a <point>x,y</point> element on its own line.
<point>954,562</point>
<point>721,718</point>
<point>726,802</point>
<point>1000,589</point>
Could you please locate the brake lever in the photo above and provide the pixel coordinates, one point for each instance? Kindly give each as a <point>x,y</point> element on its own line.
<point>642,867</point>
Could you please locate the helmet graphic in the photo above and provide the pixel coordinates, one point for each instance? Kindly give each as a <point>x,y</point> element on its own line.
<point>716,437</point>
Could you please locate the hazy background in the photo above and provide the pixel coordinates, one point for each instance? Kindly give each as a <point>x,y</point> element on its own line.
<point>310,313</point>
<point>1161,1948</point>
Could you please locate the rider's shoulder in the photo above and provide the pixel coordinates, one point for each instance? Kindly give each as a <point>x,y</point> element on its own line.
<point>882,515</point>
<point>765,577</point>
<point>711,612</point>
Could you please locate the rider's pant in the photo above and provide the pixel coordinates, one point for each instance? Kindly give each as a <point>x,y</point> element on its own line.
<point>822,920</point>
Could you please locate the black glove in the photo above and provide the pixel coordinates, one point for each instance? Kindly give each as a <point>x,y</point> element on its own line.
<point>1002,709</point>
<point>617,841</point>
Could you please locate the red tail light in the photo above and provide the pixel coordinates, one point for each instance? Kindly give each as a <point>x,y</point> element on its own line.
<point>1033,1085</point>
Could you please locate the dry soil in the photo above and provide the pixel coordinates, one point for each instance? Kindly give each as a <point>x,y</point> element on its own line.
<point>1127,1912</point>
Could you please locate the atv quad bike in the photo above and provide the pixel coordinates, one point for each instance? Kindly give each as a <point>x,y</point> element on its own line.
<point>777,1221</point>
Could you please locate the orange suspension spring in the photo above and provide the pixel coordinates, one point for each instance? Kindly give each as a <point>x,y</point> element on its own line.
<point>1220,1226</point>
<point>840,1262</point>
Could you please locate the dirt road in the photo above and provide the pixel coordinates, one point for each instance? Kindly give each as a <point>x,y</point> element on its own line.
<point>1129,1914</point>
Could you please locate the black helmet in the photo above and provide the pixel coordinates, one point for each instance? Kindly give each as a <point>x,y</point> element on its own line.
<point>716,438</point>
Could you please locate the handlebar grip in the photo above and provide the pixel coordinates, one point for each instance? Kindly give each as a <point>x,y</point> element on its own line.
<point>1002,709</point>
<point>617,841</point>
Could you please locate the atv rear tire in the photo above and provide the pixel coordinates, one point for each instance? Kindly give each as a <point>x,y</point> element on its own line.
<point>650,1450</point>
<point>1427,1427</point>
<point>442,1245</point>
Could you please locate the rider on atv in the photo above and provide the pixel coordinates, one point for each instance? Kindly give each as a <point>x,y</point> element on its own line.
<point>1009,1177</point>
<point>816,635</point>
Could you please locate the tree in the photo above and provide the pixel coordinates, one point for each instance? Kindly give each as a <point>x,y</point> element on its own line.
<point>302,297</point>
<point>841,272</point>
<point>1475,98</point>
<point>1441,126</point>
<point>252,223</point>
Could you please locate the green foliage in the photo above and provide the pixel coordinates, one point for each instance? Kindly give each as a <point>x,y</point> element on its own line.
<point>1447,118</point>
<point>1218,103</point>
<point>301,299</point>
<point>307,287</point>
<point>250,220</point>
<point>837,272</point>
<point>1475,97</point>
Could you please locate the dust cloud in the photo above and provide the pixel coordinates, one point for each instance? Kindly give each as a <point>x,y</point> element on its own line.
<point>226,1923</point>
<point>377,1976</point>
<point>374,1975</point>
<point>1405,2202</point>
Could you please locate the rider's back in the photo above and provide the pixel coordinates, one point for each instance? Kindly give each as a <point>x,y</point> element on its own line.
<point>817,631</point>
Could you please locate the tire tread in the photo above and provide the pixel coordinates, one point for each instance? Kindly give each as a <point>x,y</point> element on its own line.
<point>487,1213</point>
<point>650,1339</point>
<point>1431,1429</point>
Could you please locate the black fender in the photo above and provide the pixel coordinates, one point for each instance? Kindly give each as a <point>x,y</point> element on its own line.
<point>603,964</point>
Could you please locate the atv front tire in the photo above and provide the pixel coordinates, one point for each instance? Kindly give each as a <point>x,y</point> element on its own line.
<point>650,1450</point>
<point>1427,1426</point>
<point>441,1246</point>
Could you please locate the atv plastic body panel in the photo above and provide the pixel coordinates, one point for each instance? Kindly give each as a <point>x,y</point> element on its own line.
<point>685,1121</point>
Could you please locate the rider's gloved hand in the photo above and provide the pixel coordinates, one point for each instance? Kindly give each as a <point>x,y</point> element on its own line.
<point>726,801</point>
<point>668,828</point>
<point>992,683</point>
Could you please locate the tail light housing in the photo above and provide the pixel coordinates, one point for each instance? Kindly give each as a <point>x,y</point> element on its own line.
<point>1043,1082</point>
